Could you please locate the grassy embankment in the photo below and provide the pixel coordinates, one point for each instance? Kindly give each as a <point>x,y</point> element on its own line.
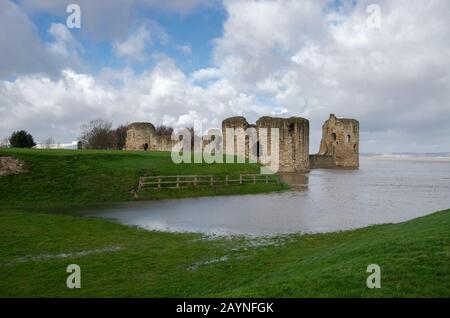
<point>67,178</point>
<point>128,262</point>
<point>117,260</point>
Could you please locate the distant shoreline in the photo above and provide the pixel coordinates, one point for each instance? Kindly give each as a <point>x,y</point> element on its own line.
<point>408,157</point>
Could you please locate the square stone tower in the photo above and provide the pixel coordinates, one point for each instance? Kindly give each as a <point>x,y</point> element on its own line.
<point>340,141</point>
<point>293,140</point>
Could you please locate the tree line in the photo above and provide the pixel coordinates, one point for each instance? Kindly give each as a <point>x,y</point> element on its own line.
<point>96,134</point>
<point>99,134</point>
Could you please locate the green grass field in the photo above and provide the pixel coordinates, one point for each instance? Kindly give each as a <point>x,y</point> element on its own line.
<point>69,178</point>
<point>129,262</point>
<point>121,261</point>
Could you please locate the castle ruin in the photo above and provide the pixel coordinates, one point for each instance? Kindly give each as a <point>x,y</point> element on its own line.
<point>293,140</point>
<point>142,136</point>
<point>339,147</point>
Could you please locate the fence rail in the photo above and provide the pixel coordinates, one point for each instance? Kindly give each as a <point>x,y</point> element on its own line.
<point>183,181</point>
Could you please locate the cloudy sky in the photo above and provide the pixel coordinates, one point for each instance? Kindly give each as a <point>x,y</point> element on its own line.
<point>175,61</point>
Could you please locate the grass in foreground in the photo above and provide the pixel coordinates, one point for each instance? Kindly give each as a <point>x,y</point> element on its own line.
<point>75,178</point>
<point>129,262</point>
<point>119,261</point>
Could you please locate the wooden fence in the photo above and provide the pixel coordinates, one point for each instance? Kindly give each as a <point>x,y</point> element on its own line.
<point>178,182</point>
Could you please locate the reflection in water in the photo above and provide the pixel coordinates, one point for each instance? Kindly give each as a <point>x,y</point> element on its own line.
<point>381,191</point>
<point>297,181</point>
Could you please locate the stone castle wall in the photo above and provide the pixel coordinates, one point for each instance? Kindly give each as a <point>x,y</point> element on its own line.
<point>141,134</point>
<point>293,140</point>
<point>339,146</point>
<point>340,141</point>
<point>236,123</point>
<point>164,143</point>
<point>321,162</point>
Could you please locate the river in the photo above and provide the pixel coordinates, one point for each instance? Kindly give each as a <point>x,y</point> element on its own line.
<point>382,190</point>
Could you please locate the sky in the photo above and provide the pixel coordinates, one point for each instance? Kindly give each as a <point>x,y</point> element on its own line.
<point>385,63</point>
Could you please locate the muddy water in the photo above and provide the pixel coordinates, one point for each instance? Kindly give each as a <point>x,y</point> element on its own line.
<point>383,190</point>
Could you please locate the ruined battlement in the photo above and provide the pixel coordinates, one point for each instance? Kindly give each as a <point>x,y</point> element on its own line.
<point>293,140</point>
<point>142,136</point>
<point>340,141</point>
<point>339,146</point>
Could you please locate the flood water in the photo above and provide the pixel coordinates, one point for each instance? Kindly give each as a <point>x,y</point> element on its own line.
<point>383,190</point>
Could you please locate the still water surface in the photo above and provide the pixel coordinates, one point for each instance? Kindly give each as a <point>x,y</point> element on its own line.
<point>383,190</point>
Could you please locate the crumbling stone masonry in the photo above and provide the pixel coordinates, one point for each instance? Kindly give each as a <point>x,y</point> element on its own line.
<point>142,136</point>
<point>293,140</point>
<point>339,147</point>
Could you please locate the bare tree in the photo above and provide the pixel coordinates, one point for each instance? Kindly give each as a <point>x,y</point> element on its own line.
<point>97,134</point>
<point>49,142</point>
<point>4,143</point>
<point>120,136</point>
<point>164,131</point>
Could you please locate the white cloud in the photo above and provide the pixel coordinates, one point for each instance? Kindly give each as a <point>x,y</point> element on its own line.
<point>164,95</point>
<point>135,46</point>
<point>313,59</point>
<point>141,44</point>
<point>206,74</point>
<point>23,52</point>
<point>21,49</point>
<point>304,58</point>
<point>109,20</point>
<point>185,48</point>
<point>64,46</point>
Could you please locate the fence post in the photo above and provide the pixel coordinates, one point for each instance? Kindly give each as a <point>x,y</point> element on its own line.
<point>212,182</point>
<point>140,184</point>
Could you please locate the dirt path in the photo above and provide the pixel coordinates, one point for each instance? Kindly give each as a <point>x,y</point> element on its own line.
<point>10,165</point>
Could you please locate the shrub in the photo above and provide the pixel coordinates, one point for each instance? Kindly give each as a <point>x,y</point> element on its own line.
<point>21,139</point>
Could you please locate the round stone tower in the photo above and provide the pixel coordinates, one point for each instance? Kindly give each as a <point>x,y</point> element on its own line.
<point>293,140</point>
<point>141,136</point>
